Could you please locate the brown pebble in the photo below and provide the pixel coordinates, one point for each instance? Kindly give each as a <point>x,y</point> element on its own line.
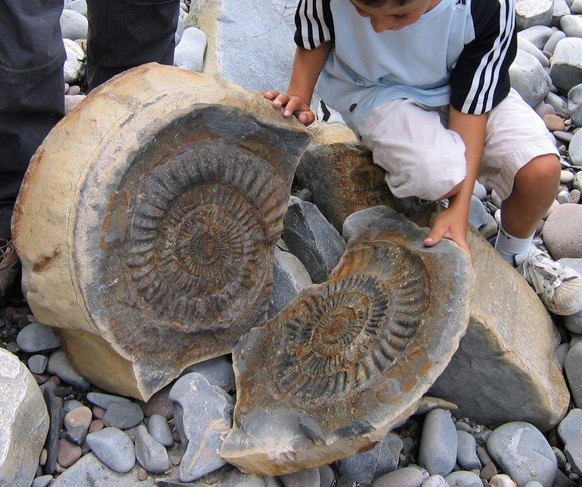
<point>80,416</point>
<point>96,425</point>
<point>68,453</point>
<point>488,471</point>
<point>554,122</point>
<point>74,90</point>
<point>40,378</point>
<point>98,412</point>
<point>575,196</point>
<point>142,473</point>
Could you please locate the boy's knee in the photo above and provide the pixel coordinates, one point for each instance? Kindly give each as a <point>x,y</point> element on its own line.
<point>540,170</point>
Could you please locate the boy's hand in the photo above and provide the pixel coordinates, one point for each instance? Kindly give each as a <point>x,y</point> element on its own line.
<point>451,224</point>
<point>292,105</point>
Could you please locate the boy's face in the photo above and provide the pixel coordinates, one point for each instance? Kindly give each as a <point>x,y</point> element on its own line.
<point>391,16</point>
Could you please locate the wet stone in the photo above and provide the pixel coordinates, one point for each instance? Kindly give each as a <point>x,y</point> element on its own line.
<point>334,342</point>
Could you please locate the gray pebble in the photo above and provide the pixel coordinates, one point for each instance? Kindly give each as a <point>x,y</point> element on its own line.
<point>42,481</point>
<point>533,483</point>
<point>403,477</point>
<point>37,364</point>
<point>160,430</point>
<point>104,400</point>
<point>435,481</point>
<point>467,451</point>
<point>150,454</point>
<point>123,415</point>
<point>574,372</point>
<point>571,25</point>
<point>307,478</point>
<point>438,444</point>
<point>463,479</point>
<point>114,448</point>
<point>71,404</point>
<point>571,426</point>
<point>573,452</point>
<point>218,371</point>
<point>37,337</point>
<point>326,476</point>
<point>523,452</point>
<point>60,366</point>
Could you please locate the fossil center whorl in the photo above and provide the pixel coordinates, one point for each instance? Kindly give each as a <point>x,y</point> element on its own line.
<point>351,331</point>
<point>198,236</point>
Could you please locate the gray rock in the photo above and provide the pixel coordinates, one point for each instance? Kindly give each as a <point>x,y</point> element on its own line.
<point>571,25</point>
<point>368,466</point>
<point>573,322</point>
<point>566,63</point>
<point>189,53</point>
<point>576,7</point>
<point>529,78</point>
<point>90,471</point>
<point>463,479</point>
<point>202,416</point>
<point>574,372</point>
<point>562,231</point>
<point>37,364</point>
<point>552,42</point>
<point>24,422</point>
<point>74,62</point>
<point>77,435</point>
<point>160,430</point>
<point>218,372</point>
<point>533,483</point>
<point>42,481</point>
<point>403,477</point>
<point>326,476</point>
<point>114,448</point>
<point>438,444</point>
<point>52,440</point>
<point>78,6</point>
<point>312,239</point>
<point>467,451</point>
<point>123,415</point>
<point>105,400</point>
<point>522,451</point>
<point>527,46</point>
<point>289,278</point>
<point>573,452</point>
<point>538,35</point>
<point>435,481</point>
<point>150,454</point>
<point>60,366</point>
<point>71,404</point>
<point>575,104</point>
<point>74,25</point>
<point>561,8</point>
<point>37,337</point>
<point>306,478</point>
<point>529,13</point>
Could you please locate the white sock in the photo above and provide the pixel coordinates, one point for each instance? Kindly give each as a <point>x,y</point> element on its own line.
<point>509,246</point>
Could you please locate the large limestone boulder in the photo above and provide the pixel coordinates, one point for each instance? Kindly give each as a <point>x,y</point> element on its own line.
<point>349,358</point>
<point>249,43</point>
<point>24,422</point>
<point>505,368</point>
<point>341,174</point>
<point>147,223</point>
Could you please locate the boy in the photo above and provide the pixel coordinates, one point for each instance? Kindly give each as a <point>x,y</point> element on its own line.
<point>425,85</point>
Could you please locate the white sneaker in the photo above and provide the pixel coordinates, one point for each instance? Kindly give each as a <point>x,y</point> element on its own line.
<point>559,287</point>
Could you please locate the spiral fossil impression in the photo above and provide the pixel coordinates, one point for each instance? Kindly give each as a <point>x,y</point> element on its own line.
<point>349,358</point>
<point>166,194</point>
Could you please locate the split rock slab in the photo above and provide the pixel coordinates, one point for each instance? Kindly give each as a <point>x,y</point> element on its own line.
<point>505,368</point>
<point>349,358</point>
<point>155,205</point>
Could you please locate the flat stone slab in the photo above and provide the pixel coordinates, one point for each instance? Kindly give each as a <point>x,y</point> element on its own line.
<point>147,223</point>
<point>349,358</point>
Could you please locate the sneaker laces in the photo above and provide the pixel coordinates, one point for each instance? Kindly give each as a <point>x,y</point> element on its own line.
<point>7,253</point>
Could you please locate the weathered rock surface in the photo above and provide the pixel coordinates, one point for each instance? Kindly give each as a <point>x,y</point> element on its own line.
<point>566,69</point>
<point>533,12</point>
<point>158,219</point>
<point>341,174</point>
<point>349,358</point>
<point>505,368</point>
<point>562,232</point>
<point>24,422</point>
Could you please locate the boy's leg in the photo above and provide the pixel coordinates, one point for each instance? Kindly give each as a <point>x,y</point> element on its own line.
<point>521,162</point>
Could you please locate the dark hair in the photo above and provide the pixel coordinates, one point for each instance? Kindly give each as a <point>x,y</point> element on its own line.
<point>381,3</point>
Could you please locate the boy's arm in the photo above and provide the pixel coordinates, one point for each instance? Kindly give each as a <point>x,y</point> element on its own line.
<point>452,222</point>
<point>307,65</point>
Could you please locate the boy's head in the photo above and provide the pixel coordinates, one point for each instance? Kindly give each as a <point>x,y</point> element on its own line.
<point>393,14</point>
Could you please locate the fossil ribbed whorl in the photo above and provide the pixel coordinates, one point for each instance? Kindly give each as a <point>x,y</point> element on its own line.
<point>158,202</point>
<point>347,335</point>
<point>349,358</point>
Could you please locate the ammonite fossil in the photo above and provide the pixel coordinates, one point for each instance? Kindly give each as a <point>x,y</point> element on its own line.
<point>148,220</point>
<point>351,357</point>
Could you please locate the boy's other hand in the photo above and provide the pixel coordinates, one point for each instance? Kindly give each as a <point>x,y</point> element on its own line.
<point>450,224</point>
<point>292,105</point>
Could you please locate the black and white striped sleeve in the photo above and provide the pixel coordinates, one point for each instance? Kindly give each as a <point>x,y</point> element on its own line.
<point>314,23</point>
<point>480,79</point>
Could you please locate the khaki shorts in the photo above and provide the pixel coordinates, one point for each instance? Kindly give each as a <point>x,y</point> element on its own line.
<point>423,158</point>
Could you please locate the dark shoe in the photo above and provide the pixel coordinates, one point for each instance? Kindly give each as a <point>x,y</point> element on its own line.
<point>9,267</point>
